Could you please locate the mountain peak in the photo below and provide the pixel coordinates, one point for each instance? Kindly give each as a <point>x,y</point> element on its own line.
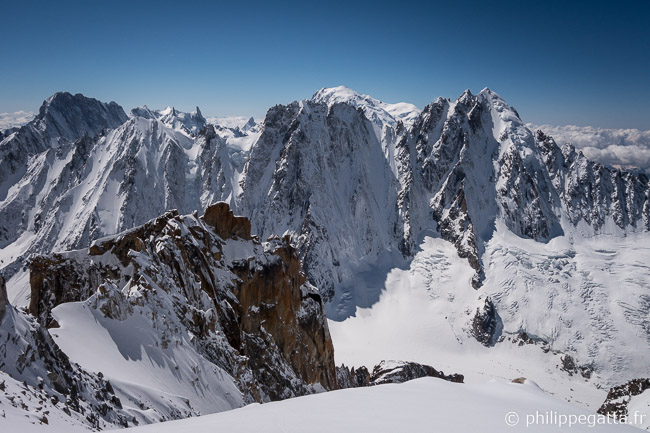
<point>250,124</point>
<point>190,123</point>
<point>338,92</point>
<point>378,112</point>
<point>492,95</point>
<point>72,116</point>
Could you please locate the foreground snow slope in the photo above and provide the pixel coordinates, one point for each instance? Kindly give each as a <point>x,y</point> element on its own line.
<point>421,405</point>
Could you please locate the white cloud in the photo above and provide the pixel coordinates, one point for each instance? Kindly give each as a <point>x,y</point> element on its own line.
<point>230,121</point>
<point>18,118</point>
<point>626,148</point>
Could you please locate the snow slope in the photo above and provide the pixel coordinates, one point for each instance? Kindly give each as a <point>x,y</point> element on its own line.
<point>421,405</point>
<point>558,292</point>
<point>22,408</point>
<point>154,383</point>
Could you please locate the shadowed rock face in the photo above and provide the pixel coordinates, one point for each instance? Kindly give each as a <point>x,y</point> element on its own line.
<point>352,378</point>
<point>486,324</point>
<point>223,285</point>
<point>390,372</point>
<point>3,298</point>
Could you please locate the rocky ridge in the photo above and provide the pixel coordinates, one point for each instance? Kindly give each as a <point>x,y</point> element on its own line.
<point>389,372</point>
<point>220,306</point>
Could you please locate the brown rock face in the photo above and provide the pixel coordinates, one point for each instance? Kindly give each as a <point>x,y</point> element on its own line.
<point>260,321</point>
<point>225,223</point>
<point>274,300</point>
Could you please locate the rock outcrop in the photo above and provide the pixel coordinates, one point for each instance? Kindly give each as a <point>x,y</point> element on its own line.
<point>486,324</point>
<point>225,223</point>
<point>352,378</point>
<point>390,372</point>
<point>246,304</point>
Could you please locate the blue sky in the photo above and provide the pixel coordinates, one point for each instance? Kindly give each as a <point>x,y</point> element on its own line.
<point>584,63</point>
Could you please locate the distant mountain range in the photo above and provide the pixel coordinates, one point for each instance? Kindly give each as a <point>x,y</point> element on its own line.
<point>458,220</point>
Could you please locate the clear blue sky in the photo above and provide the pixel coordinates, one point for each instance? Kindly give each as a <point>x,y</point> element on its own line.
<point>583,62</point>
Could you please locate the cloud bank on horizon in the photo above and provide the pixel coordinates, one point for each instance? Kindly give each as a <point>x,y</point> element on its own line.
<point>17,118</point>
<point>625,148</point>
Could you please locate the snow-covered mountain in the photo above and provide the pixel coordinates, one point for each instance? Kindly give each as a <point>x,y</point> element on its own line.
<point>439,236</point>
<point>243,123</point>
<point>533,224</point>
<point>62,119</point>
<point>82,170</point>
<point>319,172</point>
<point>189,123</point>
<point>386,119</point>
<point>378,112</point>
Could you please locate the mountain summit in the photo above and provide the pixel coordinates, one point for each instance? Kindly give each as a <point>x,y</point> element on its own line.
<point>375,110</point>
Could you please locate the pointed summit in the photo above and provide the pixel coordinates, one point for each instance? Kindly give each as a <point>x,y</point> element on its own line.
<point>198,116</point>
<point>250,124</point>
